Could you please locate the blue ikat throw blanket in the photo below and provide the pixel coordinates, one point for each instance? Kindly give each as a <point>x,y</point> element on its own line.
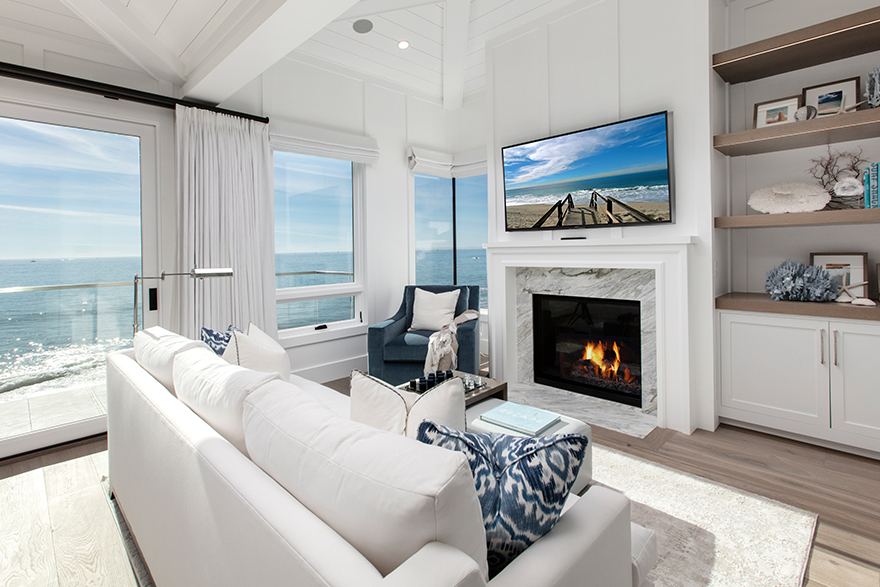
<point>522,483</point>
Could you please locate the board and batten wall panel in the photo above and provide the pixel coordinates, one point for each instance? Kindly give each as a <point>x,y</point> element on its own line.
<point>598,62</point>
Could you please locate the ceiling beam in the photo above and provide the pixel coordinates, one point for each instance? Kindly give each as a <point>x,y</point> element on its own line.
<point>272,31</point>
<point>366,8</point>
<point>113,21</point>
<point>456,22</point>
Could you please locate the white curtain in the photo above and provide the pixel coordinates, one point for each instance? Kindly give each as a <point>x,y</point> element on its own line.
<point>439,164</point>
<point>225,189</point>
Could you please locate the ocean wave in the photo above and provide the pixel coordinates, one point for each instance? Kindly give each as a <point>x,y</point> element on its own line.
<point>40,367</point>
<point>646,193</point>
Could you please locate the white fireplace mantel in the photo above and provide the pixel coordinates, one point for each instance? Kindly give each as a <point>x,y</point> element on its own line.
<point>668,258</point>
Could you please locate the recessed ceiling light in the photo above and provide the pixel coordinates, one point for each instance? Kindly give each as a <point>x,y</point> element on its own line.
<point>362,26</point>
<point>403,44</point>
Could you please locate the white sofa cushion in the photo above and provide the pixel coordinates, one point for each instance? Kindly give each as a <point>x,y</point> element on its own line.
<point>433,311</point>
<point>155,348</point>
<point>385,494</point>
<point>258,351</point>
<point>216,390</point>
<point>386,407</point>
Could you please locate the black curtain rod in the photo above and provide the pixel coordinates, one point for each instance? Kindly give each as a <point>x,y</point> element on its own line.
<point>109,91</point>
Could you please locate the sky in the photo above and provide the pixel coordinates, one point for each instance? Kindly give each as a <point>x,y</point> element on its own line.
<point>433,213</point>
<point>68,192</point>
<point>313,204</point>
<point>628,147</point>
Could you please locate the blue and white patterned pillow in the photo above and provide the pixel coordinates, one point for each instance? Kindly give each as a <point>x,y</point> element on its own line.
<point>522,483</point>
<point>218,341</point>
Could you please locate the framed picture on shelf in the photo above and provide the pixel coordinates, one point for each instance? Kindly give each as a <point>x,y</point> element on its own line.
<point>845,269</point>
<point>832,98</point>
<point>780,111</point>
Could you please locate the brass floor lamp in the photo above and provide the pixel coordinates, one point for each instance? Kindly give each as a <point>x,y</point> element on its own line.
<point>195,273</point>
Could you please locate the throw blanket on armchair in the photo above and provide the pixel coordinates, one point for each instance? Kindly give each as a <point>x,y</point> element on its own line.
<point>443,344</point>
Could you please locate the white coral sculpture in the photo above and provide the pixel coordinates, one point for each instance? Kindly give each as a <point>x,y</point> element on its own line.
<point>789,197</point>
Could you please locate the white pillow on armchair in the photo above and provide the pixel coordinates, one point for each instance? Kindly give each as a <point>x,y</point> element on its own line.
<point>433,311</point>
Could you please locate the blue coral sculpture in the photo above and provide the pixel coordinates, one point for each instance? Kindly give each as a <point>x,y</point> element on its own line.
<point>797,282</point>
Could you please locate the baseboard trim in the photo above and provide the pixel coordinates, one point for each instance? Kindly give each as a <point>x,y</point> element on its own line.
<point>855,450</point>
<point>334,370</point>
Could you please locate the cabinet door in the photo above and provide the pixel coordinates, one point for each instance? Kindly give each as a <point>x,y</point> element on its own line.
<point>775,367</point>
<point>855,378</point>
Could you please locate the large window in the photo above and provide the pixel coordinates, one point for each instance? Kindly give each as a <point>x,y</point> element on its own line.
<point>451,225</point>
<point>70,244</point>
<point>315,257</point>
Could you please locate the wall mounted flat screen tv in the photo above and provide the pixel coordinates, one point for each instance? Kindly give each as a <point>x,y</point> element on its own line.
<point>618,174</point>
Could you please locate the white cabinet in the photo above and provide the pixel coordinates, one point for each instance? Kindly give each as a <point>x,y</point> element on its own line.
<point>813,377</point>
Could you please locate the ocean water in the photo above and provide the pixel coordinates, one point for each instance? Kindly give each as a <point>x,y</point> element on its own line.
<point>649,186</point>
<point>59,339</point>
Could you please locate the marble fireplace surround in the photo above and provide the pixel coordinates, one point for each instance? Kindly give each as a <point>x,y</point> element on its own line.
<point>620,284</point>
<point>666,260</point>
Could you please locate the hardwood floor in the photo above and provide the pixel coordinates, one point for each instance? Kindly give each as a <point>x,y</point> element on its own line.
<point>57,525</point>
<point>58,529</point>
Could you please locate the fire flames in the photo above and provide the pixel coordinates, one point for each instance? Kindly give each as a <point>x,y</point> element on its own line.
<point>595,352</point>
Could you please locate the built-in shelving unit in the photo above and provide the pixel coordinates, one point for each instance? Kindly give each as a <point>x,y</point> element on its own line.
<point>843,37</point>
<point>759,302</point>
<point>826,218</point>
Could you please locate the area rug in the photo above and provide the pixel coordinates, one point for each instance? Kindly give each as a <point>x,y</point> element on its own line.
<point>709,534</point>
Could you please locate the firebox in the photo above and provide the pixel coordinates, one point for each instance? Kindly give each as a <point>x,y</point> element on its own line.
<point>589,345</point>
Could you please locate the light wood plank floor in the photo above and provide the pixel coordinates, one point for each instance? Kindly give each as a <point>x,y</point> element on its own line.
<point>56,523</point>
<point>58,529</point>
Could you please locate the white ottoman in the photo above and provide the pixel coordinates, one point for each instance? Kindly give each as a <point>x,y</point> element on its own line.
<point>565,425</point>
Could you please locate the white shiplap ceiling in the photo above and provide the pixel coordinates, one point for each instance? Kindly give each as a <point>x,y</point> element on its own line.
<point>212,48</point>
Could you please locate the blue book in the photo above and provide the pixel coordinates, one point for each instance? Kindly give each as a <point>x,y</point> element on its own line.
<point>874,189</point>
<point>866,177</point>
<point>524,419</point>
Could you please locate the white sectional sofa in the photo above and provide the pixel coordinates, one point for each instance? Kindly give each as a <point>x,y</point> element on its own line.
<point>345,505</point>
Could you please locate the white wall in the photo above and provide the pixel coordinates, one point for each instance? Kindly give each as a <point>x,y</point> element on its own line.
<point>756,251</point>
<point>598,62</point>
<point>305,92</point>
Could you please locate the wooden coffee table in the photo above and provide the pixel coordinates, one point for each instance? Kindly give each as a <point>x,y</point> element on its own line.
<point>491,388</point>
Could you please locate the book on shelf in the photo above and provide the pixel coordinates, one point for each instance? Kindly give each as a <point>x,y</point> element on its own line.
<point>866,178</point>
<point>524,419</point>
<point>874,195</point>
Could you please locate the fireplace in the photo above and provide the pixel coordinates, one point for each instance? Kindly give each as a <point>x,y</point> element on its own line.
<point>589,345</point>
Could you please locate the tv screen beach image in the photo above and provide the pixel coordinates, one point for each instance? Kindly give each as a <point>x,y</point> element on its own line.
<point>614,174</point>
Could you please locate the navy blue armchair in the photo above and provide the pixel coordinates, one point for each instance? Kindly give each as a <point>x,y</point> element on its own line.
<point>396,355</point>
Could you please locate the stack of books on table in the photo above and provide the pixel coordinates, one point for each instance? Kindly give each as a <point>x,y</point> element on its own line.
<point>523,419</point>
<point>872,189</point>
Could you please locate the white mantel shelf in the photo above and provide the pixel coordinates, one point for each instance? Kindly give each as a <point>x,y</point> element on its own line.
<point>592,242</point>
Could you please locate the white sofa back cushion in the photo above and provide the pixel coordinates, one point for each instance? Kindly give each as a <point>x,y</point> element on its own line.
<point>216,390</point>
<point>385,494</point>
<point>155,348</point>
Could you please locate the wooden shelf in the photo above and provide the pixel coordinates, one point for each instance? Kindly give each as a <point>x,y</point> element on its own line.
<point>843,37</point>
<point>757,302</point>
<point>822,218</point>
<point>851,126</point>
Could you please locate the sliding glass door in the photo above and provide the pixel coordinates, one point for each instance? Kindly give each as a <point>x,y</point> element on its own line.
<point>70,245</point>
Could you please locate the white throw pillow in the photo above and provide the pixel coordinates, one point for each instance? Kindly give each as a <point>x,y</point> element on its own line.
<point>155,348</point>
<point>258,351</point>
<point>387,495</point>
<point>388,408</point>
<point>433,311</point>
<point>216,390</point>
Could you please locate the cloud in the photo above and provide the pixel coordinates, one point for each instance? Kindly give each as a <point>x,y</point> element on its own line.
<point>102,217</point>
<point>549,157</point>
<point>47,146</point>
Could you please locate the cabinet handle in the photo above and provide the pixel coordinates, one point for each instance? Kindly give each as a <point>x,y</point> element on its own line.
<point>835,348</point>
<point>822,347</point>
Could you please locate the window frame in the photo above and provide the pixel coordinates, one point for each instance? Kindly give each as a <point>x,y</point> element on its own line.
<point>308,334</point>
